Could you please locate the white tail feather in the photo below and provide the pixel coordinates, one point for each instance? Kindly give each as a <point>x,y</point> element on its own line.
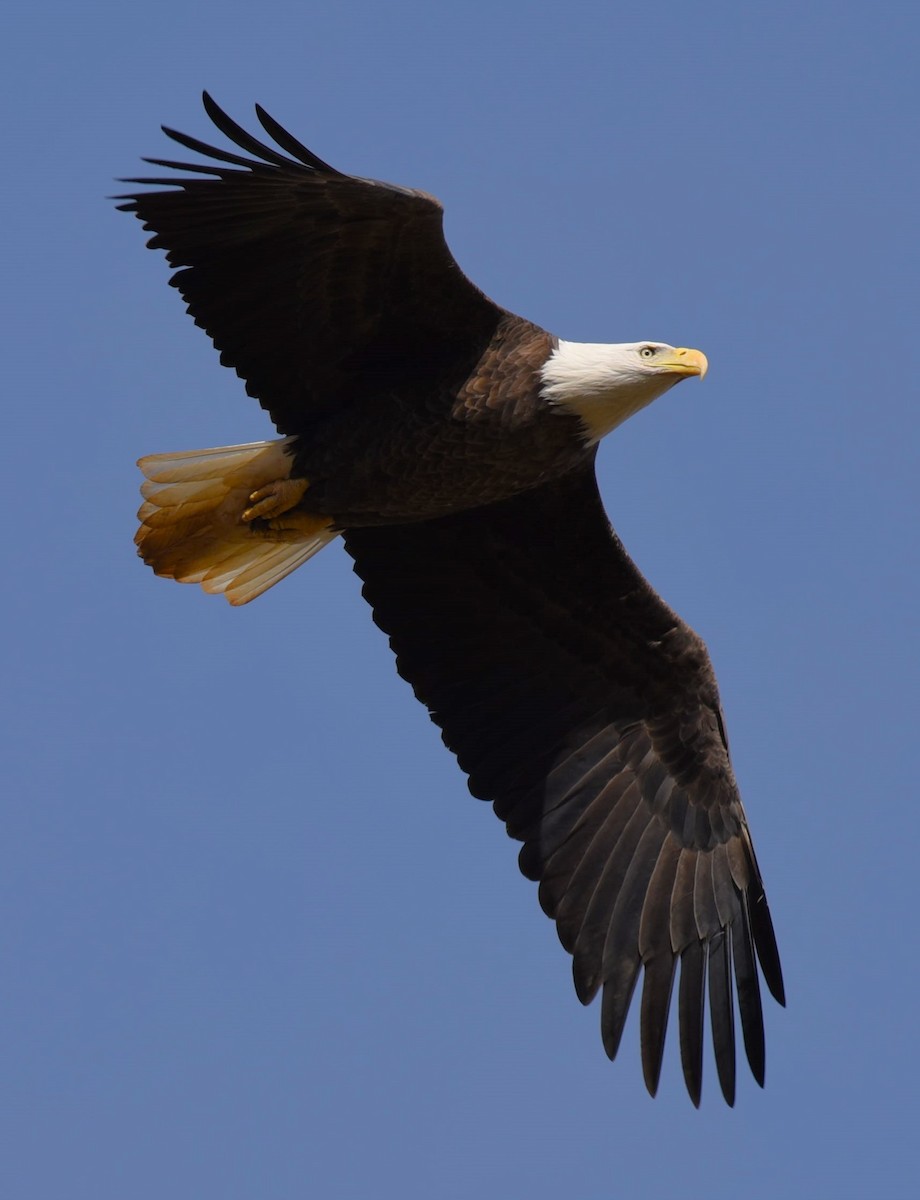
<point>191,520</point>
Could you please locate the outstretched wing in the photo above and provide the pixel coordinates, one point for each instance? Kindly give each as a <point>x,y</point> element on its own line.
<point>588,713</point>
<point>314,285</point>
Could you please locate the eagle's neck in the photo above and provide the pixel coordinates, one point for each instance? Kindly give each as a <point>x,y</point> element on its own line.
<point>599,384</point>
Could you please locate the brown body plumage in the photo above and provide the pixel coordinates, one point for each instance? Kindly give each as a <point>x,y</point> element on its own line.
<point>452,443</point>
<point>420,448</point>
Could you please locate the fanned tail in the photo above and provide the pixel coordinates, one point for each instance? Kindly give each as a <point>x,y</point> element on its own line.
<point>192,529</point>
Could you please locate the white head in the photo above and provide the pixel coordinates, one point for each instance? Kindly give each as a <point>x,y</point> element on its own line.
<point>605,384</point>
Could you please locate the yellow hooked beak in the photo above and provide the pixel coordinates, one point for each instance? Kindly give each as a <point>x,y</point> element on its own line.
<point>684,361</point>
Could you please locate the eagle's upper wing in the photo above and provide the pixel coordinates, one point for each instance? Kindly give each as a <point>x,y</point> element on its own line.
<point>316,286</point>
<point>587,712</point>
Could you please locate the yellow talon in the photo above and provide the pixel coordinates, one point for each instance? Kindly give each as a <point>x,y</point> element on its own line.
<point>275,498</point>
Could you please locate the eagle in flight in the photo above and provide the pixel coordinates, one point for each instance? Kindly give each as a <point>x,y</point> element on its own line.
<point>451,445</point>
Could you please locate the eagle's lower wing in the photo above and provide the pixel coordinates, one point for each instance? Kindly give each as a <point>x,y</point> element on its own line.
<point>315,286</point>
<point>587,712</point>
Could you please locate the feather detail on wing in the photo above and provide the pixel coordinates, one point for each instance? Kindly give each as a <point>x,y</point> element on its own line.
<point>316,286</point>
<point>587,712</point>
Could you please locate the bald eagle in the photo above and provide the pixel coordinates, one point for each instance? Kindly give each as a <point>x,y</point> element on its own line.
<point>451,444</point>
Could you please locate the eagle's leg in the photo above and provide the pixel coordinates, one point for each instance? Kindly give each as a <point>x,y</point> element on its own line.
<point>276,498</point>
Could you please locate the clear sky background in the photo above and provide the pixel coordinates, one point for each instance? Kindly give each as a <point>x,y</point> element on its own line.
<point>257,940</point>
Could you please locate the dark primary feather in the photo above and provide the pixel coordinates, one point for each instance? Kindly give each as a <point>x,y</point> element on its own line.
<point>587,712</point>
<point>317,287</point>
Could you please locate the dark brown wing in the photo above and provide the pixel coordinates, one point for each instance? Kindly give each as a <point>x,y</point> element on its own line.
<point>316,286</point>
<point>588,713</point>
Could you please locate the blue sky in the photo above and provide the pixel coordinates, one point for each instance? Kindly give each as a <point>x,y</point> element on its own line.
<point>257,939</point>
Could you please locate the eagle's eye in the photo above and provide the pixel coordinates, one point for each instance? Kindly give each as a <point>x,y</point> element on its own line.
<point>647,352</point>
